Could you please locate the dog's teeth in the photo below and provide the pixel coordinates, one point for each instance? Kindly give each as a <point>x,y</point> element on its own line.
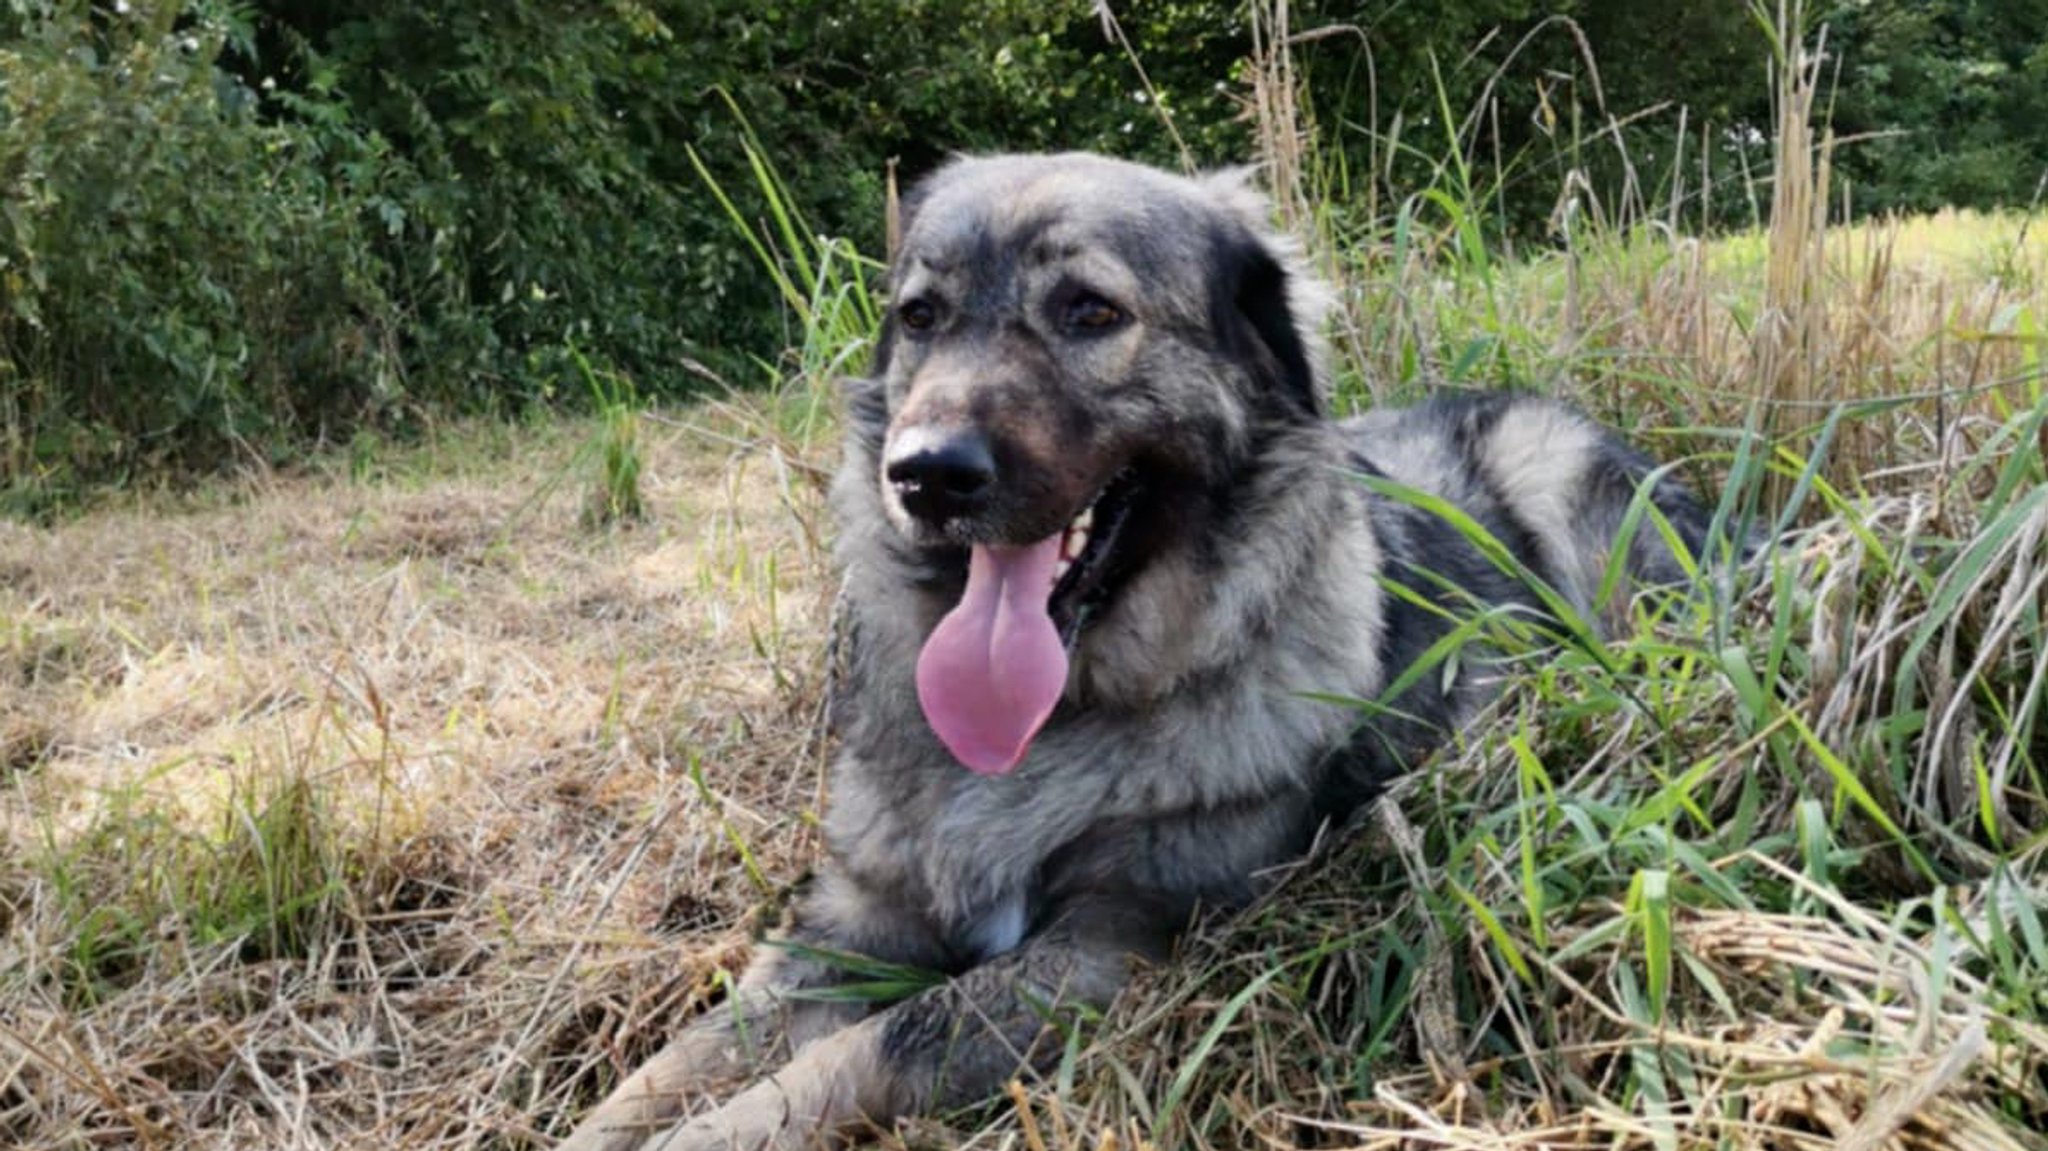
<point>1074,543</point>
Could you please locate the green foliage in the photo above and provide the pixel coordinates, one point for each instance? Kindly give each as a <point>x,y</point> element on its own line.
<point>533,218</point>
<point>1541,108</point>
<point>231,227</point>
<point>1935,103</point>
<point>183,281</point>
<point>1953,96</point>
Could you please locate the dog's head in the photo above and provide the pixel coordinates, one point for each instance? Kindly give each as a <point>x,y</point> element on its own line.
<point>1079,356</point>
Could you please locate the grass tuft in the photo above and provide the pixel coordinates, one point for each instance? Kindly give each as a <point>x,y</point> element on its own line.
<point>616,496</point>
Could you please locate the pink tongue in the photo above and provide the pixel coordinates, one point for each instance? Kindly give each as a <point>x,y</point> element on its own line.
<point>994,667</point>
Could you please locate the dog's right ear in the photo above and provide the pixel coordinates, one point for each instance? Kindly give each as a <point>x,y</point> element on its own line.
<point>867,408</point>
<point>892,217</point>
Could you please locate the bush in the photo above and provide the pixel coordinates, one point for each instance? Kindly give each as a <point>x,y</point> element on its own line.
<point>229,227</point>
<point>553,143</point>
<point>184,281</point>
<point>232,228</point>
<point>533,219</point>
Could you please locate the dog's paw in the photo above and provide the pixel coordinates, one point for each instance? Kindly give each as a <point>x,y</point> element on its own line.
<point>764,1117</point>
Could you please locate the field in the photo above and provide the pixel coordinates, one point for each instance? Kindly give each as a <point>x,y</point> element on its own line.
<point>403,801</point>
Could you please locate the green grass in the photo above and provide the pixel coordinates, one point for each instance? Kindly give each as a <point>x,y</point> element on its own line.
<point>615,497</point>
<point>139,888</point>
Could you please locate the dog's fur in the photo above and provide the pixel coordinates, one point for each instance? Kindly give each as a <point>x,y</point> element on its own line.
<point>1104,327</point>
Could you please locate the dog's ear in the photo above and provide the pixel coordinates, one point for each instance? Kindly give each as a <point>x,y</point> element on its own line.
<point>899,210</point>
<point>867,408</point>
<point>1260,302</point>
<point>1267,297</point>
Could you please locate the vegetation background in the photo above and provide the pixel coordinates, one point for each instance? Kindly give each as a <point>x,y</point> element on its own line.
<point>376,776</point>
<point>233,228</point>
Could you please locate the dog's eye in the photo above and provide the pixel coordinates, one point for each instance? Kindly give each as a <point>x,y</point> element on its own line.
<point>1089,312</point>
<point>917,315</point>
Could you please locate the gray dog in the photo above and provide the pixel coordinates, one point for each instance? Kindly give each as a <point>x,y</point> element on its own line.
<point>1108,561</point>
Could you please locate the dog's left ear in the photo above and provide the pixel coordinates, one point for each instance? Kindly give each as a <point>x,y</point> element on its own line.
<point>1259,288</point>
<point>1266,299</point>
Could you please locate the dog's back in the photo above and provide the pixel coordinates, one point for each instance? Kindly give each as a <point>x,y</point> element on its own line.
<point>1554,486</point>
<point>1494,502</point>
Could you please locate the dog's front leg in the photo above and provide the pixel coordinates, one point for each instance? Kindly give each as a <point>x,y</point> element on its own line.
<point>947,1046</point>
<point>770,1015</point>
<point>722,1046</point>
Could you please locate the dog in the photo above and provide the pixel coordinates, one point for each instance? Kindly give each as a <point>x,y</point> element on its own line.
<point>1110,570</point>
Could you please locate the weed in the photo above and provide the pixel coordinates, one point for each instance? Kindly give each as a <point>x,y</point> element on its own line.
<point>616,496</point>
<point>139,887</point>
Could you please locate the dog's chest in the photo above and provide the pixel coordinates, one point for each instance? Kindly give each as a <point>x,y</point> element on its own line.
<point>1102,805</point>
<point>1185,797</point>
<point>959,852</point>
<point>996,929</point>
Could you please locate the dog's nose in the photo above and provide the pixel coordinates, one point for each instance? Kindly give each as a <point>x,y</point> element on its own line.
<point>940,477</point>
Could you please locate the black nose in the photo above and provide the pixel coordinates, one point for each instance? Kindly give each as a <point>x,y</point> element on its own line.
<point>941,477</point>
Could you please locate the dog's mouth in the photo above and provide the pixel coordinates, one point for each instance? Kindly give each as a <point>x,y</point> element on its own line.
<point>1090,556</point>
<point>994,668</point>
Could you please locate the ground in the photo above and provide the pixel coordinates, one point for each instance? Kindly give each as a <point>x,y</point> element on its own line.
<point>396,800</point>
<point>508,750</point>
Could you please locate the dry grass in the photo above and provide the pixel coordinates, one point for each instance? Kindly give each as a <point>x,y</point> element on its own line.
<point>1789,330</point>
<point>535,768</point>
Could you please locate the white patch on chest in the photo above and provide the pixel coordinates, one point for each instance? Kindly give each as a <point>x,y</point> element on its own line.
<point>998,929</point>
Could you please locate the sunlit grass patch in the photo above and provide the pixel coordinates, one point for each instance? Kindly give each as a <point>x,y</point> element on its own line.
<point>143,886</point>
<point>322,779</point>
